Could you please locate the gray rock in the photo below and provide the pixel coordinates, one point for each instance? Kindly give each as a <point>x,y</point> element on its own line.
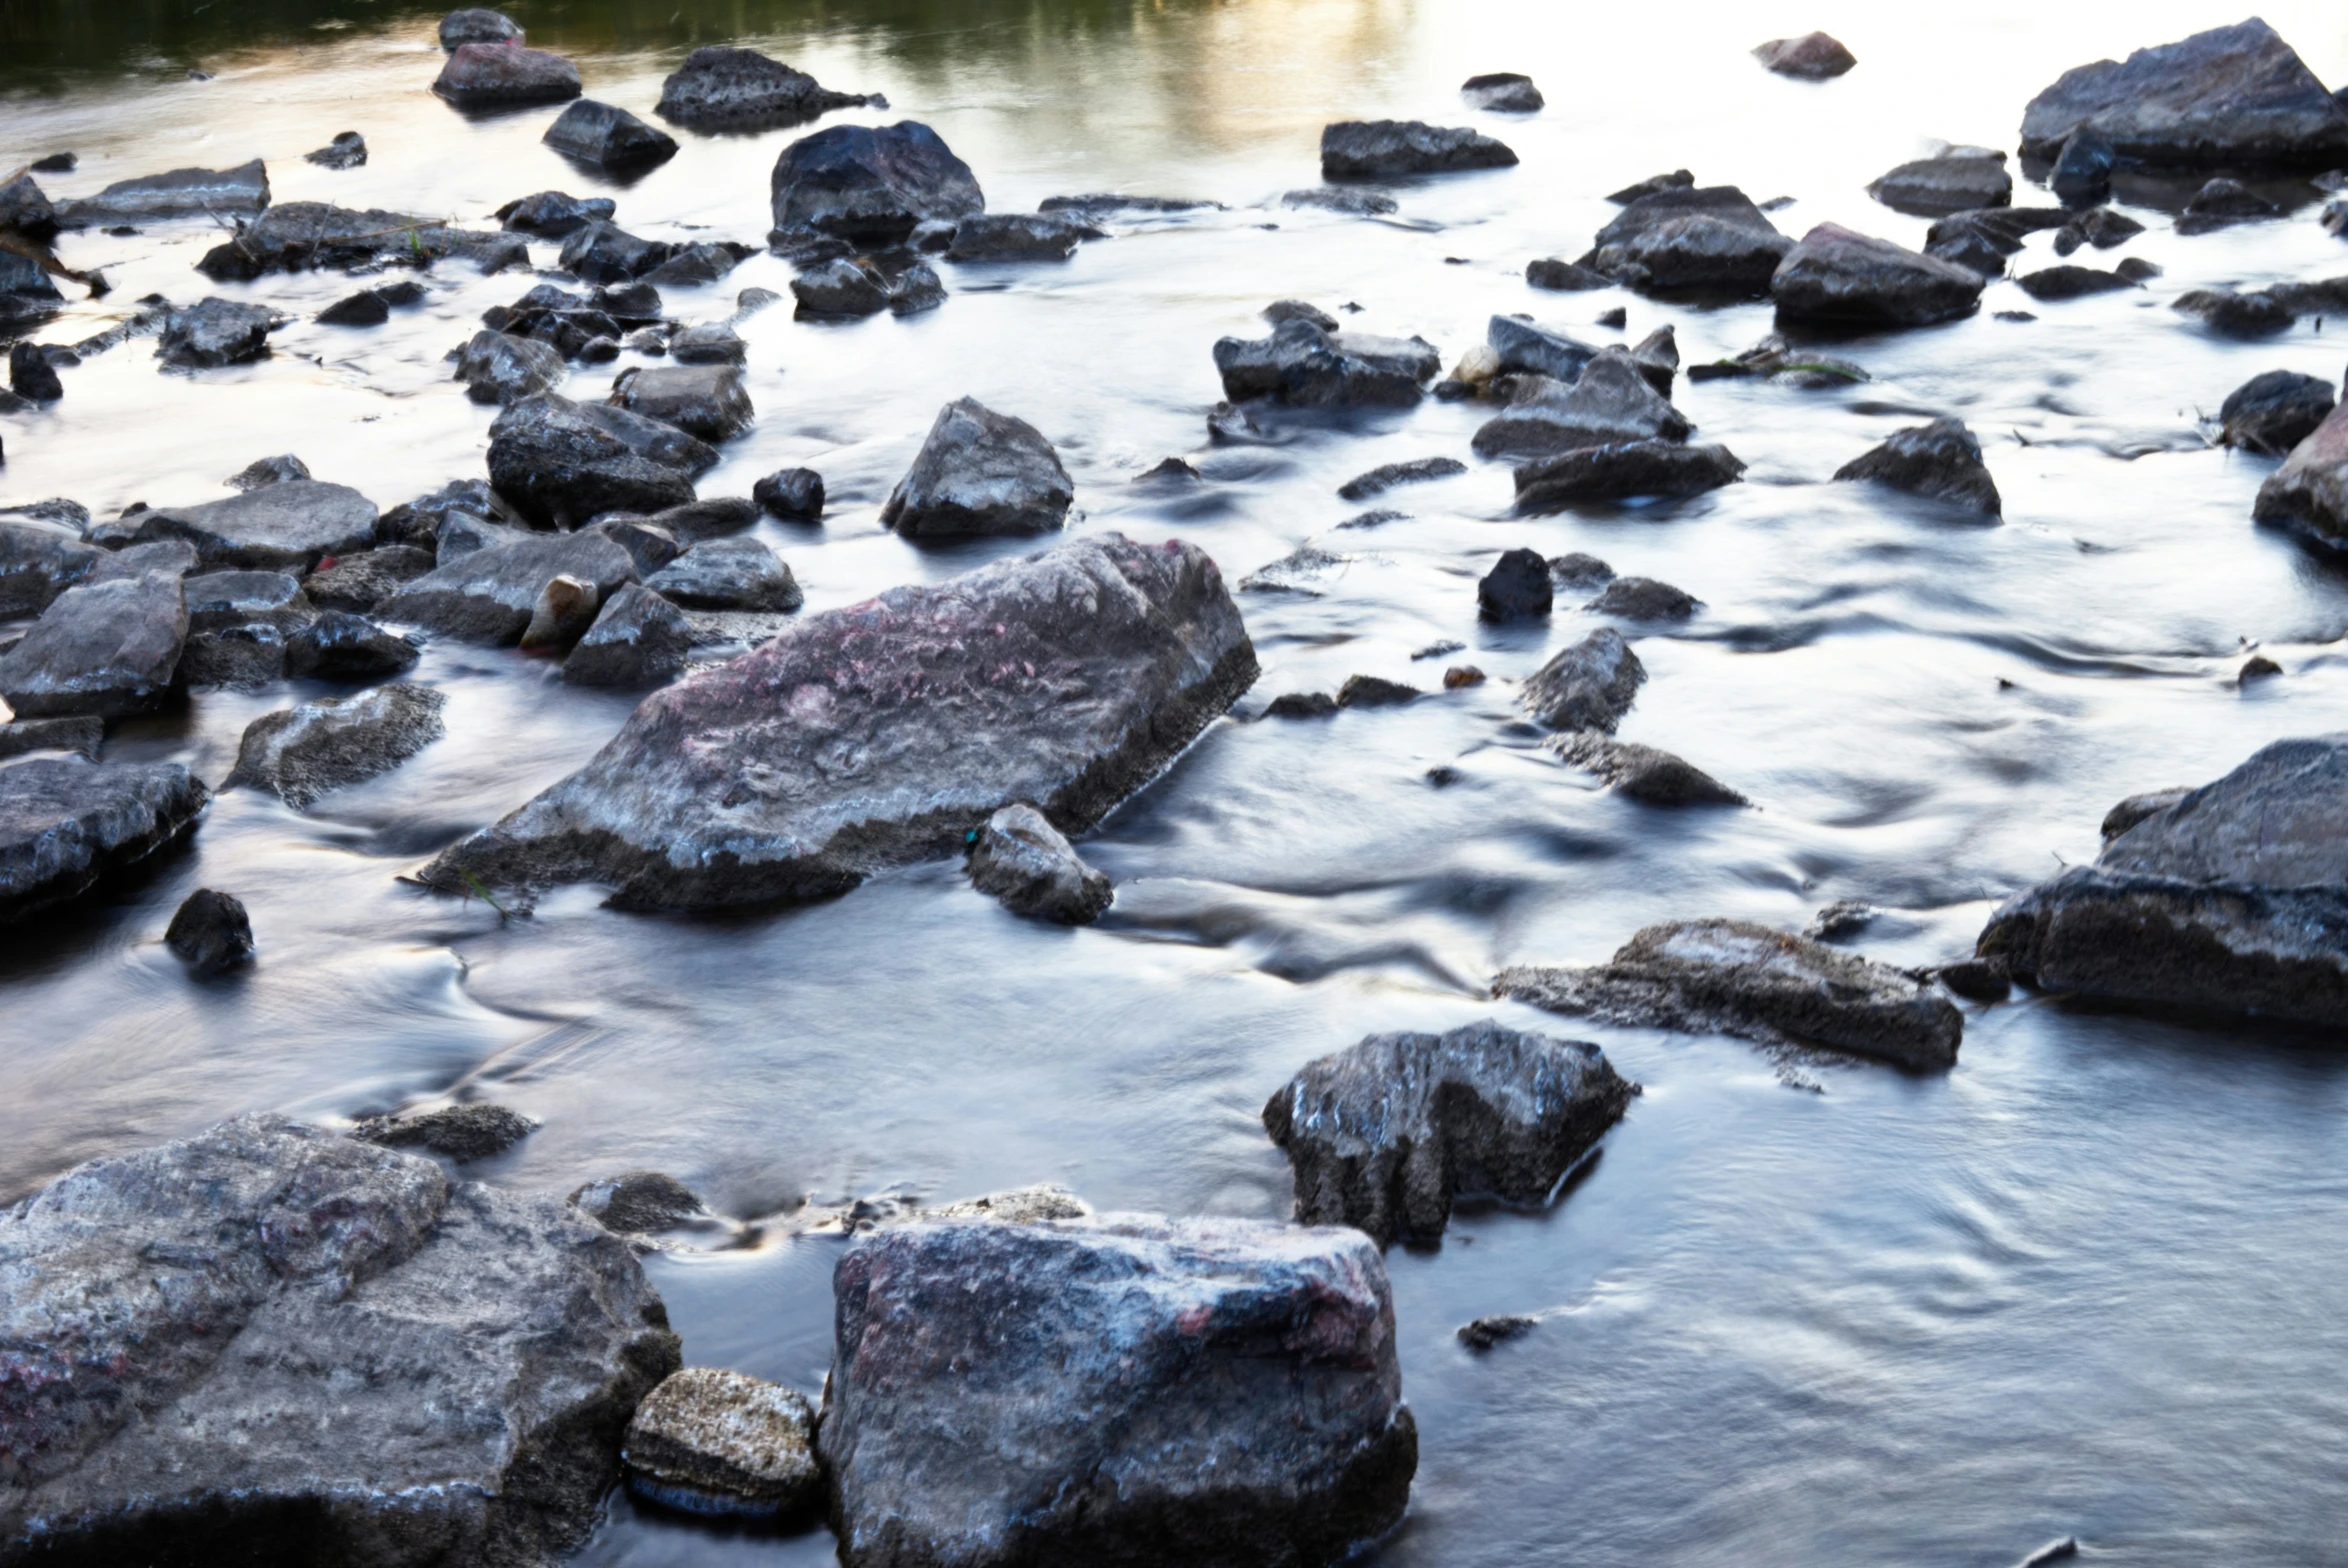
<point>2257,314</point>
<point>25,209</point>
<point>2051,284</point>
<point>871,184</point>
<point>1304,367</point>
<point>64,823</point>
<point>698,264</point>
<point>210,932</point>
<point>1018,236</point>
<point>1611,402</point>
<point>475,26</point>
<point>268,471</point>
<point>2098,226</point>
<point>715,518</point>
<point>713,1442</point>
<point>361,582</point>
<point>1390,149</point>
<point>246,655</point>
<point>1553,272</point>
<point>555,214</point>
<point>341,646</point>
<point>1644,599</point>
<point>1578,571</point>
<point>1941,460</point>
<point>792,494</point>
<point>484,75</point>
<point>1645,774</point>
<point>1980,241</point>
<point>608,137</point>
<point>1588,686</point>
<point>980,472</point>
<point>215,332</point>
<point>714,343</point>
<point>1382,1136</point>
<point>638,639</point>
<point>728,574</point>
<point>419,522</point>
<point>1298,310</point>
<point>162,558</point>
<point>705,401</point>
<point>489,595</point>
<point>648,544</point>
<point>559,463</point>
<point>1067,679</point>
<point>31,376</point>
<point>26,294</point>
<point>348,150</point>
<point>2274,412</point>
<point>1484,1333</point>
<point>1386,476</point>
<point>182,193</point>
<point>639,1203</point>
<point>108,648</point>
<point>2222,203</point>
<point>1091,1421</point>
<point>1353,204</point>
<point>1028,865</point>
<point>301,754</point>
<point>281,527</point>
<point>2233,95</point>
<point>84,733</point>
<point>1656,356</point>
<point>217,600</point>
<point>1957,181</point>
<point>499,369</point>
<point>1836,275</point>
<point>564,612</point>
<point>607,253</point>
<point>842,286</point>
<point>462,1132</point>
<point>1736,978</point>
<point>1707,239</point>
<point>269,1337</point>
<point>1813,57</point>
<point>1528,349</point>
<point>1503,92</point>
<point>461,535</point>
<point>37,563</point>
<point>298,236</point>
<point>1843,918</point>
<point>719,88</point>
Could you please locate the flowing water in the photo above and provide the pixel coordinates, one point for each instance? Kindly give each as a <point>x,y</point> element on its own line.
<point>2088,1282</point>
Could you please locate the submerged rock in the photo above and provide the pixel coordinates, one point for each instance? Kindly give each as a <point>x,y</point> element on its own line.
<point>66,822</point>
<point>842,286</point>
<point>1556,273</point>
<point>1017,236</point>
<point>288,526</point>
<point>1612,401</point>
<point>182,193</point>
<point>719,88</point>
<point>1484,1333</point>
<point>1530,349</point>
<point>871,184</point>
<point>2274,412</point>
<point>1709,238</point>
<point>2258,314</point>
<point>709,402</point>
<point>1384,1135</point>
<point>559,463</point>
<point>711,343</point>
<point>1621,470</point>
<point>210,932</point>
<point>608,136</point>
<point>1813,57</point>
<point>490,595</point>
<point>300,754</point>
<point>1353,204</point>
<point>1102,658</point>
<point>2309,492</point>
<point>638,639</point>
<point>1588,686</point>
<point>1836,275</point>
<point>606,253</point>
<point>2232,95</point>
<point>1388,149</point>
<point>109,648</point>
<point>1941,460</point>
<point>1957,181</point>
<point>1304,367</point>
<point>1503,92</point>
<point>1645,774</point>
<point>712,1442</point>
<point>2222,203</point>
<point>1022,861</point>
<point>639,1203</point>
<point>215,332</point>
<point>481,75</point>
<point>980,472</point>
<point>462,1132</point>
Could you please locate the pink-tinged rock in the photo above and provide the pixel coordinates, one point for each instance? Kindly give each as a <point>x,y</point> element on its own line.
<point>1813,57</point>
<point>481,74</point>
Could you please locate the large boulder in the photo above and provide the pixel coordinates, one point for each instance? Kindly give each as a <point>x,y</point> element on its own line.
<point>489,595</point>
<point>1836,275</point>
<point>1702,238</point>
<point>1125,1389</point>
<point>718,88</point>
<point>1621,471</point>
<point>867,183</point>
<point>2274,412</point>
<point>1941,460</point>
<point>1382,1136</point>
<point>1391,149</point>
<point>1588,686</point>
<point>884,733</point>
<point>108,648</point>
<point>1304,366</point>
<point>1612,401</point>
<point>1963,180</point>
<point>182,193</point>
<point>1734,977</point>
<point>559,463</point>
<point>37,563</point>
<point>480,76</point>
<point>709,402</point>
<point>608,136</point>
<point>2234,95</point>
<point>280,527</point>
<point>66,822</point>
<point>269,1342</point>
<point>980,472</point>
<point>2309,493</point>
<point>300,754</point>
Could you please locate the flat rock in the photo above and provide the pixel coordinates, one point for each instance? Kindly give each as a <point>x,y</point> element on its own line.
<point>1643,773</point>
<point>66,822</point>
<point>2222,203</point>
<point>182,193</point>
<point>499,369</point>
<point>83,733</point>
<point>1556,273</point>
<point>1690,238</point>
<point>2233,95</point>
<point>728,574</point>
<point>703,262</point>
<point>462,1132</point>
<point>1304,367</point>
<point>871,184</point>
<point>711,343</point>
<point>1621,470</point>
<point>1953,182</point>
<point>245,655</point>
<point>1836,275</point>
<point>608,137</point>
<point>884,733</point>
<point>489,595</point>
<point>1527,348</point>
<point>301,754</point>
<point>1503,92</point>
<point>842,286</point>
<point>555,214</point>
<point>638,639</point>
<point>281,527</point>
<point>638,1203</point>
<point>980,472</point>
<point>1390,149</point>
<point>482,75</point>
<point>1352,204</point>
<point>559,463</point>
<point>1019,859</point>
<point>2256,314</point>
<point>215,332</point>
<point>301,236</point>
<point>1588,686</point>
<point>1018,236</point>
<point>708,1441</point>
<point>719,88</point>
<point>1813,57</point>
<point>1644,599</point>
<point>2273,412</point>
<point>708,402</point>
<point>1941,460</point>
<point>1612,401</point>
<point>108,648</point>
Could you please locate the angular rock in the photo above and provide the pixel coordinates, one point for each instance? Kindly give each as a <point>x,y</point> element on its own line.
<point>1551,272</point>
<point>210,932</point>
<point>489,596</point>
<point>2061,283</point>
<point>482,75</point>
<point>1529,349</point>
<point>563,614</point>
<point>268,471</point>
<point>301,754</point>
<point>26,294</point>
<point>499,369</point>
<point>169,558</point>
<point>700,263</point>
<point>1391,149</point>
<point>1304,367</point>
<point>1588,686</point>
<point>1385,477</point>
<point>648,544</point>
<point>728,574</point>
<point>2222,203</point>
<point>419,522</point>
<point>289,526</point>
<point>37,563</point>
<point>792,494</point>
<point>1028,865</point>
<point>2232,95</point>
<point>1384,1135</point>
<point>298,236</point>
<point>1503,92</point>
<point>247,655</point>
<point>2309,493</point>
<point>26,210</point>
<point>108,648</point>
<point>705,401</point>
<point>1941,460</point>
<point>1611,402</point>
<point>559,463</point>
<point>639,1203</point>
<point>1982,240</point>
<point>215,332</point>
<point>341,646</point>
<point>1813,57</point>
<point>2098,226</point>
<point>842,286</point>
<point>1517,588</point>
<point>31,376</point>
<point>2272,413</point>
<point>980,472</point>
<point>66,822</point>
<point>1373,691</point>
<point>476,26</point>
<point>607,253</point>
<point>1709,238</point>
<point>1954,182</point>
<point>462,1132</point>
<point>638,639</point>
<point>719,88</point>
<point>713,343</point>
<point>1656,356</point>
<point>2137,808</point>
<point>361,582</point>
<point>1102,658</point>
<point>871,184</point>
<point>347,151</point>
<point>221,599</point>
<point>1354,204</point>
<point>715,518</point>
<point>1655,778</point>
<point>183,193</point>
<point>1017,236</point>
<point>1676,180</point>
<point>1836,275</point>
<point>608,137</point>
<point>1622,470</point>
<point>713,1442</point>
<point>1644,599</point>
<point>555,214</point>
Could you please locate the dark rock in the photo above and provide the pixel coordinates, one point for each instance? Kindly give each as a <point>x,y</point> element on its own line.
<point>1564,276</point>
<point>489,595</point>
<point>719,1443</point>
<point>714,343</point>
<point>608,137</point>
<point>1644,599</point>
<point>2253,315</point>
<point>347,151</point>
<point>1941,460</point>
<point>1611,402</point>
<point>1381,479</point>
<point>300,754</point>
<point>695,265</point>
<point>1353,204</point>
<point>639,1203</point>
<point>1028,865</point>
<point>108,648</point>
<point>2309,493</point>
<point>477,27</point>
<point>361,582</point>
<point>1677,179</point>
<point>639,639</point>
<point>2082,174</point>
<point>2098,226</point>
<point>1093,1421</point>
<point>706,401</point>
<point>1484,1333</point>
<point>1305,367</point>
<point>926,685</point>
<point>482,75</point>
<point>792,494</point>
<point>1503,92</point>
<point>418,522</point>
<point>341,646</point>
<point>183,193</point>
<point>211,933</point>
<point>37,563</point>
<point>871,184</point>
<point>841,287</point>
<point>56,163</point>
<point>2139,808</point>
<point>2233,95</point>
<point>248,654</point>
<point>1836,275</point>
<point>2067,282</point>
<point>1813,57</point>
<point>461,1132</point>
<point>555,214</point>
<point>916,289</point>
<point>281,469</point>
<point>1588,686</point>
<point>1301,705</point>
<point>288,526</point>
<point>215,332</point>
<point>1840,919</point>
<point>461,535</point>
<point>26,294</point>
<point>2257,667</point>
<point>980,472</point>
<point>2221,203</point>
<point>1112,203</point>
<point>303,235</point>
<point>1983,238</point>
<point>728,574</point>
<point>1622,470</point>
<point>2272,413</point>
<point>1527,348</point>
<point>720,88</point>
<point>1017,236</point>
<point>1373,691</point>
<point>1298,310</point>
<point>714,518</point>
<point>1655,778</point>
<point>2137,270</point>
<point>559,463</point>
<point>1656,356</point>
<point>648,544</point>
<point>218,600</point>
<point>84,733</point>
<point>32,376</point>
<point>26,210</point>
<point>1577,571</point>
<point>166,558</point>
<point>500,369</point>
<point>1954,182</point>
<point>1389,149</point>
<point>64,823</point>
<point>1517,588</point>
<point>606,253</point>
<point>1686,238</point>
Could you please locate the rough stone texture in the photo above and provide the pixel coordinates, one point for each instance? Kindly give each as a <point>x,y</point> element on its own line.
<point>1017,236</point>
<point>639,639</point>
<point>555,214</point>
<point>871,184</point>
<point>718,88</point>
<point>419,522</point>
<point>281,527</point>
<point>182,193</point>
<point>711,343</point>
<point>300,754</point>
<point>246,655</point>
<point>1127,1389</point>
<point>714,1442</point>
<point>269,1343</point>
<point>559,463</point>
<point>215,332</point>
<point>1391,149</point>
<point>26,294</point>
<point>1954,182</point>
<point>1644,599</point>
<point>980,472</point>
<point>2257,314</point>
<point>792,494</point>
<point>1021,860</point>
<point>1734,977</point>
<point>341,646</point>
<point>1016,1206</point>
<point>2232,897</point>
<point>210,932</point>
<point>1524,347</point>
<point>2274,412</point>
<point>1353,204</point>
<point>1980,241</point>
<point>564,611</point>
<point>728,574</point>
<point>483,75</point>
<point>298,236</point>
<point>1644,773</point>
<point>703,262</point>
<point>1374,691</point>
<point>1813,57</point>
<point>1305,367</point>
<point>269,471</point>
<point>348,150</point>
<point>2222,203</point>
<point>1941,460</point>
<point>501,369</point>
<point>2054,284</point>
<point>885,732</point>
<point>1554,272</point>
<point>842,286</point>
<point>2309,493</point>
<point>1708,239</point>
<point>1503,92</point>
<point>172,558</point>
<point>25,209</point>
<point>477,26</point>
<point>2233,95</point>
<point>489,595</point>
<point>39,562</point>
<point>1621,470</point>
<point>607,253</point>
<point>108,648</point>
<point>462,1132</point>
<point>1836,275</point>
<point>1517,588</point>
<point>1611,402</point>
<point>639,1203</point>
<point>361,582</point>
<point>608,136</point>
<point>1588,686</point>
<point>709,402</point>
<point>1384,1135</point>
<point>84,733</point>
<point>65,822</point>
<point>1484,1333</point>
<point>1386,476</point>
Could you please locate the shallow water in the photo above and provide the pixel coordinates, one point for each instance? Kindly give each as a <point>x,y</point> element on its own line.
<point>2085,1284</point>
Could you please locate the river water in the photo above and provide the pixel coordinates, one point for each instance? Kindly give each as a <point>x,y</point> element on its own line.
<point>2088,1283</point>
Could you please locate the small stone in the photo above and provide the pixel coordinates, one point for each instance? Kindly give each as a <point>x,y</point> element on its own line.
<point>215,332</point>
<point>728,574</point>
<point>1301,705</point>
<point>1381,479</point>
<point>1372,691</point>
<point>1644,599</point>
<point>1617,318</point>
<point>1579,571</point>
<point>1484,1333</point>
<point>32,376</point>
<point>1298,310</point>
<point>347,151</point>
<point>1385,149</point>
<point>1976,980</point>
<point>712,1442</point>
<point>792,494</point>
<point>1813,57</point>
<point>477,26</point>
<point>1357,204</point>
<point>1588,686</point>
<point>2274,412</point>
<point>1460,676</point>
<point>462,1132</point>
<point>2257,667</point>
<point>980,472</point>
<point>211,933</point>
<point>2137,270</point>
<point>712,344</point>
<point>2235,315</point>
<point>2222,202</point>
<point>1503,92</point>
<point>1552,272</point>
<point>1847,917</point>
<point>639,1203</point>
<point>639,639</point>
<point>2060,283</point>
<point>1518,587</point>
<point>1020,859</point>
<point>564,612</point>
<point>341,646</point>
<point>268,471</point>
<point>301,754</point>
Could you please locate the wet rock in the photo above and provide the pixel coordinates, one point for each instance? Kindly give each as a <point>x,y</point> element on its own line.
<point>474,26</point>
<point>1958,181</point>
<point>555,214</point>
<point>347,151</point>
<point>2098,226</point>
<point>916,289</point>
<point>639,1203</point>
<point>714,343</point>
<point>608,137</point>
<point>1028,865</point>
<point>361,582</point>
<point>559,463</point>
<point>1710,238</point>
<point>1298,310</point>
<point>462,1132</point>
<point>1390,149</point>
<point>1503,92</point>
<point>1677,179</point>
<point>2137,270</point>
<point>720,88</point>
<point>1484,1333</point>
<point>840,287</point>
<point>1982,240</point>
<point>1090,1421</point>
<point>1517,588</point>
<point>2309,493</point>
<point>56,163</point>
<point>169,558</point>
<point>706,401</point>
<point>1017,236</point>
<point>31,375</point>
<point>301,754</point>
<point>37,563</point>
<point>481,75</point>
<point>2139,808</point>
<point>211,933</point>
<point>182,193</point>
<point>419,522</point>
<point>490,595</point>
<point>2252,315</point>
<point>1645,774</point>
<point>1304,367</point>
<point>1813,57</point>
<point>648,544</point>
<point>336,1354</point>
<point>1294,572</point>
<point>108,648</point>
<point>1736,978</point>
<point>1526,348</point>
<point>1552,272</point>
<point>2082,174</point>
<point>85,734</point>
<point>1588,686</point>
<point>499,369</point>
<point>2061,283</point>
<point>26,210</point>
<point>1622,470</point>
<point>1381,479</point>
<point>1941,460</point>
<point>1836,275</point>
<point>980,472</point>
<point>1611,402</point>
<point>2221,203</point>
<point>711,519</point>
<point>871,184</point>
<point>2232,95</point>
<point>1577,571</point>
<point>341,646</point>
<point>299,236</point>
<point>280,469</point>
<point>1384,1135</point>
<point>215,332</point>
<point>2272,413</point>
<point>288,526</point>
<point>1301,705</point>
<point>692,266</point>
<point>1644,599</point>
<point>367,308</point>
<point>792,494</point>
<point>1656,356</point>
<point>221,599</point>
<point>1841,919</point>
<point>1353,204</point>
<point>720,1443</point>
<point>728,574</point>
<point>245,655</point>
<point>26,294</point>
<point>66,822</point>
<point>1374,691</point>
<point>2255,668</point>
<point>607,253</point>
<point>1103,658</point>
<point>639,639</point>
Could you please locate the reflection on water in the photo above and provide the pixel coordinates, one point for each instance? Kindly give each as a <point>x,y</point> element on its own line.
<point>2087,1283</point>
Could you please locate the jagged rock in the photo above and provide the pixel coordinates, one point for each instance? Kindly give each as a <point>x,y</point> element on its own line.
<point>792,494</point>
<point>1941,460</point>
<point>300,754</point>
<point>1644,599</point>
<point>559,463</point>
<point>1384,1135</point>
<point>270,1339</point>
<point>215,332</point>
<point>639,1203</point>
<point>842,286</point>
<point>268,471</point>
<point>1517,588</point>
<point>1484,1333</point>
<point>1389,149</point>
<point>297,236</point>
<point>1957,181</point>
<point>2274,412</point>
<point>31,376</point>
<point>871,184</point>
<point>1813,57</point>
<point>2221,203</point>
<point>347,151</point>
<point>368,307</point>
<point>728,574</point>
<point>607,253</point>
<point>2257,314</point>
<point>1503,92</point>
<point>1305,367</point>
<point>361,582</point>
<point>738,89</point>
<point>66,822</point>
<point>2232,95</point>
<point>419,522</point>
<point>167,558</point>
<point>1621,470</point>
<point>1656,356</point>
<point>462,1132</point>
<point>1381,479</point>
<point>210,932</point>
<point>217,600</point>
<point>108,648</point>
<point>1677,179</point>
<point>2309,493</point>
<point>1733,977</point>
<point>608,137</point>
<point>480,75</point>
<point>714,518</point>
<point>341,646</point>
<point>1610,402</point>
<point>490,595</point>
<point>1354,204</point>
<point>713,343</point>
<point>639,639</point>
<point>1092,1421</point>
<point>182,193</point>
<point>703,262</point>
<point>1577,571</point>
<point>1588,686</point>
<point>980,472</point>
<point>1017,236</point>
<point>37,563</point>
<point>500,369</point>
<point>1656,778</point>
<point>25,209</point>
<point>1103,658</point>
<point>26,294</point>
<point>2061,283</point>
<point>713,1442</point>
<point>1843,918</point>
<point>1028,865</point>
<point>706,401</point>
<point>555,214</point>
<point>1529,349</point>
<point>289,526</point>
<point>1710,238</point>
<point>476,26</point>
<point>1836,275</point>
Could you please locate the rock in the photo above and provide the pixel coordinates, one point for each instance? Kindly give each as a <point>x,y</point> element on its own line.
<point>1484,1333</point>
<point>1298,310</point>
<point>608,137</point>
<point>1941,460</point>
<point>500,369</point>
<point>32,376</point>
<point>108,648</point>
<point>1390,149</point>
<point>2082,173</point>
<point>2061,283</point>
<point>2139,808</point>
<point>37,563</point>
<point>1528,349</point>
<point>26,210</point>
<point>871,184</point>
<point>211,933</point>
<point>692,266</point>
<point>1294,572</point>
<point>1836,275</point>
<point>711,519</point>
<point>419,522</point>
<point>1103,658</point>
<point>298,236</point>
<point>639,1203</point>
<point>2253,315</point>
<point>222,599</point>
<point>1101,204</point>
<point>300,754</point>
<point>792,494</point>
<point>341,646</point>
<point>1516,589</point>
<point>980,472</point>
<point>739,89</point>
<point>1644,599</point>
<point>1384,1135</point>
<point>1028,865</point>
<point>2233,95</point>
<point>1353,204</point>
<point>481,75</point>
<point>84,733</point>
<point>2257,667</point>
<point>2137,270</point>
<point>559,463</point>
<point>268,471</point>
<point>1301,705</point>
<point>2221,203</point>
<point>2272,413</point>
<point>2228,899</point>
<point>347,151</point>
<point>56,163</point>
<point>1736,978</point>
<point>215,332</point>
<point>606,253</point>
<point>639,639</point>
<point>1710,239</point>
<point>840,287</point>
<point>288,526</point>
<point>2098,226</point>
<point>65,823</point>
<point>1372,691</point>
<point>728,574</point>
<point>1656,356</point>
<point>1017,236</point>
<point>1611,402</point>
<point>1982,240</point>
<point>1621,470</point>
<point>462,1132</point>
<point>245,655</point>
<point>1385,477</point>
<point>1655,778</point>
<point>361,582</point>
<point>1576,571</point>
<point>555,214</point>
<point>335,1353</point>
<point>713,1442</point>
<point>1813,57</point>
<point>1089,1420</point>
<point>1954,182</point>
<point>1461,676</point>
<point>182,193</point>
<point>170,558</point>
<point>1304,367</point>
<point>1677,179</point>
<point>714,343</point>
<point>1588,686</point>
<point>491,595</point>
<point>1843,918</point>
<point>1017,1206</point>
<point>706,401</point>
<point>1503,92</point>
<point>459,28</point>
<point>1564,276</point>
<point>26,294</point>
<point>2309,493</point>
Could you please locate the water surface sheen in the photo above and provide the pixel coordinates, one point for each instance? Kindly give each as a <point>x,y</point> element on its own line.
<point>2086,1283</point>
